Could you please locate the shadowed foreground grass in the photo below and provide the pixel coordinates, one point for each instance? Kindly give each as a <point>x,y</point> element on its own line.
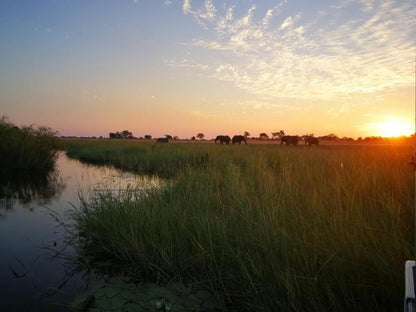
<point>267,228</point>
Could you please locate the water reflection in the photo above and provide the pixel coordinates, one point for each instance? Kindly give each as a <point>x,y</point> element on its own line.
<point>32,274</point>
<point>27,189</point>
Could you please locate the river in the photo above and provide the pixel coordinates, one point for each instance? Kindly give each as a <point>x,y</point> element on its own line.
<point>32,278</point>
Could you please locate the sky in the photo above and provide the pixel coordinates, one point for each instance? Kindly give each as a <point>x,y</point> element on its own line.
<point>87,68</point>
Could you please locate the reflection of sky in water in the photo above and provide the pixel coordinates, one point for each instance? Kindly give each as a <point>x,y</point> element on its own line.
<point>28,190</point>
<point>26,226</point>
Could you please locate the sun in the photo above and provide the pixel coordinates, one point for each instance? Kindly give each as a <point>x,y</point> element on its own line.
<point>392,128</point>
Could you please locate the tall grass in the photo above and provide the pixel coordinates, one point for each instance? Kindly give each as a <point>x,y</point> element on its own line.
<point>26,149</point>
<point>268,228</point>
<point>147,158</point>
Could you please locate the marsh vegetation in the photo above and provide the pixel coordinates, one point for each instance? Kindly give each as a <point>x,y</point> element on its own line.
<point>26,149</point>
<point>264,227</point>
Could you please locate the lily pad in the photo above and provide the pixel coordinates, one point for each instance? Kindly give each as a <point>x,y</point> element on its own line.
<point>134,307</point>
<point>163,292</point>
<point>135,295</point>
<point>112,290</point>
<point>121,295</point>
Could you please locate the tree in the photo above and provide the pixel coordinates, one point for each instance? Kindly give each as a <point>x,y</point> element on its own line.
<point>246,134</point>
<point>116,135</point>
<point>126,134</point>
<point>200,136</point>
<point>147,136</point>
<point>263,136</point>
<point>278,134</point>
<point>329,137</point>
<point>168,136</point>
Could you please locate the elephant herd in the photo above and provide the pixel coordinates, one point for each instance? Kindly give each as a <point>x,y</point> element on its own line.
<point>226,139</point>
<point>294,139</point>
<point>287,139</point>
<point>238,139</point>
<point>162,140</point>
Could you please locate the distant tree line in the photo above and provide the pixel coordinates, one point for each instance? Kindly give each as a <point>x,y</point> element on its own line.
<point>277,135</point>
<point>125,134</point>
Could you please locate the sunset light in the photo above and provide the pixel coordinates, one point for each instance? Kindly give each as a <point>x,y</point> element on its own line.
<point>216,67</point>
<point>392,128</point>
<point>207,155</point>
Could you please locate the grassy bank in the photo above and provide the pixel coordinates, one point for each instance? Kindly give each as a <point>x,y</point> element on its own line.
<point>26,149</point>
<point>164,160</point>
<point>268,228</point>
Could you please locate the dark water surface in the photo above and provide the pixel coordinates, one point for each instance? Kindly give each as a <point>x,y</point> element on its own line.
<point>31,277</point>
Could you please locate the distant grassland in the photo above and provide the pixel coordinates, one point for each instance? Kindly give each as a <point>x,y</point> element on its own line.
<point>266,227</point>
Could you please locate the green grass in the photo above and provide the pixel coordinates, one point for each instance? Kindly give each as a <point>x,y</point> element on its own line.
<point>26,149</point>
<point>267,228</point>
<point>160,159</point>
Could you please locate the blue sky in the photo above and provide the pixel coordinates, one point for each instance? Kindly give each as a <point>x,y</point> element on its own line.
<point>184,67</point>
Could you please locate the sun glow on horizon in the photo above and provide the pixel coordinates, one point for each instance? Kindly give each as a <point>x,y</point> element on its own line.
<point>392,127</point>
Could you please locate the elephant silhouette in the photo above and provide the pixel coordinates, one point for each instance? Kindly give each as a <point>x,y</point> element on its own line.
<point>223,139</point>
<point>310,140</point>
<point>289,139</point>
<point>238,139</point>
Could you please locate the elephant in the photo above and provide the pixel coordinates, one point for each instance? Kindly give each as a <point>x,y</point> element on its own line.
<point>310,140</point>
<point>162,140</point>
<point>289,139</point>
<point>223,139</point>
<point>238,139</point>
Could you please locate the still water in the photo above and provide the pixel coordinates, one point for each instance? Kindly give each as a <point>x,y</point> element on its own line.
<point>32,278</point>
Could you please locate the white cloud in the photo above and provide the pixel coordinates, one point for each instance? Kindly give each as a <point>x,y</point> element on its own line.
<point>286,23</point>
<point>211,45</point>
<point>246,20</point>
<point>186,7</point>
<point>229,15</point>
<point>280,55</point>
<point>209,10</point>
<point>267,17</point>
<point>207,13</point>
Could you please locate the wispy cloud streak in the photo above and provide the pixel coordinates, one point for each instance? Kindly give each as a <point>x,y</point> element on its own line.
<point>205,14</point>
<point>276,55</point>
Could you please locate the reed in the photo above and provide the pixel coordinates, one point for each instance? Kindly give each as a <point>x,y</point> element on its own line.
<point>26,149</point>
<point>267,228</point>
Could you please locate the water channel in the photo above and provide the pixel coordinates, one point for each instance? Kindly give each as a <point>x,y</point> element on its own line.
<point>32,278</point>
